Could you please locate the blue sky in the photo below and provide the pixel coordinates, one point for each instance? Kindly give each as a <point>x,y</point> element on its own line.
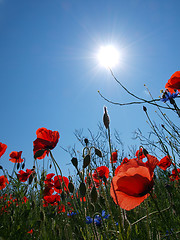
<point>50,77</point>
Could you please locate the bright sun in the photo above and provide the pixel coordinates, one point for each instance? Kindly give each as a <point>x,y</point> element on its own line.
<point>108,56</point>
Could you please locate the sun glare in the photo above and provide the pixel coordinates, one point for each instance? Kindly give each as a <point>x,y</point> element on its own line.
<point>108,56</point>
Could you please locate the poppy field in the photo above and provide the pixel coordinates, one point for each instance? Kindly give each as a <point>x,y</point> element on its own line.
<point>112,196</point>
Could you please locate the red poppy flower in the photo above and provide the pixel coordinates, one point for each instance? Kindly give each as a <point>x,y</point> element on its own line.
<point>59,182</point>
<point>133,182</point>
<point>46,140</point>
<point>174,82</point>
<point>23,176</point>
<point>2,148</point>
<point>24,199</point>
<point>16,157</point>
<point>3,182</point>
<point>31,231</point>
<point>100,172</point>
<point>61,208</point>
<point>175,176</point>
<point>125,160</point>
<point>114,157</point>
<point>53,199</point>
<point>165,162</point>
<point>139,154</point>
<point>48,190</point>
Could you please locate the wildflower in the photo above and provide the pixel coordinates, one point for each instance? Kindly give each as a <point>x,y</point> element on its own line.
<point>174,82</point>
<point>15,157</point>
<point>89,220</point>
<point>125,160</point>
<point>59,182</point>
<point>48,190</point>
<point>2,148</point>
<point>175,175</point>
<point>100,172</point>
<point>3,182</point>
<point>167,96</point>
<point>133,182</point>
<point>71,213</point>
<point>23,176</point>
<point>46,140</point>
<point>30,232</point>
<point>52,199</point>
<point>139,154</point>
<point>24,199</point>
<point>165,162</point>
<point>61,208</point>
<point>114,157</point>
<point>97,218</point>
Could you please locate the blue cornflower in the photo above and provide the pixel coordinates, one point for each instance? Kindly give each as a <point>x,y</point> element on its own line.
<point>167,96</point>
<point>72,214</point>
<point>97,218</point>
<point>104,214</point>
<point>88,220</point>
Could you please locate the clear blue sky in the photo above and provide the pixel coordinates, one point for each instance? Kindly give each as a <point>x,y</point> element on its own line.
<point>50,78</point>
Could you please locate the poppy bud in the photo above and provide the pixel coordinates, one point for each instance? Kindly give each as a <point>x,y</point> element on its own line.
<point>98,152</point>
<point>74,162</point>
<point>18,165</point>
<point>162,125</point>
<point>71,187</point>
<point>144,109</point>
<point>86,141</point>
<point>145,152</point>
<point>1,167</point>
<point>86,161</point>
<point>106,119</point>
<point>94,195</point>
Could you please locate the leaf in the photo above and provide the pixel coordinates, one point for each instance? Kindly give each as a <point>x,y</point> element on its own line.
<point>86,161</point>
<point>39,153</point>
<point>98,152</point>
<point>94,194</point>
<point>82,189</point>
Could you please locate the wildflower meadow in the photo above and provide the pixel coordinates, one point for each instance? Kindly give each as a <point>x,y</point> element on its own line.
<point>113,195</point>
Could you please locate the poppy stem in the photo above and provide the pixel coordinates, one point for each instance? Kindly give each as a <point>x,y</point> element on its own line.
<point>110,148</point>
